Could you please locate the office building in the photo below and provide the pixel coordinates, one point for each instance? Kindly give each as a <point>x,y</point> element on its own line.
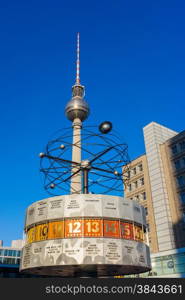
<point>157,181</point>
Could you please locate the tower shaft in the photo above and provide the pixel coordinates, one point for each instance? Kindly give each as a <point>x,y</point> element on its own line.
<point>76,184</point>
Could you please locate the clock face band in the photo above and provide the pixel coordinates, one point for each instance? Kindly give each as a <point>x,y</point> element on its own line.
<point>78,228</point>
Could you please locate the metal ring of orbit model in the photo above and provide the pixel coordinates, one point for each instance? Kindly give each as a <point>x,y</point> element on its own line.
<point>103,156</point>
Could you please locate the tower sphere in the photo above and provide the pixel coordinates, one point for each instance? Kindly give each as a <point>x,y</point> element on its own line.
<point>77,107</point>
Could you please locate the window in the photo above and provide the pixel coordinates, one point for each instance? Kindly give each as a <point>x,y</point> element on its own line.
<point>10,252</point>
<point>168,265</point>
<point>1,260</point>
<point>134,171</point>
<point>142,181</point>
<point>131,198</point>
<point>11,260</point>
<point>181,180</point>
<point>137,198</point>
<point>183,217</point>
<point>177,164</point>
<point>127,174</point>
<point>182,145</point>
<point>6,260</point>
<point>130,187</point>
<point>144,195</point>
<point>183,161</point>
<point>148,227</point>
<point>157,266</point>
<point>140,167</point>
<point>146,211</point>
<point>135,184</point>
<point>174,149</point>
<point>182,197</point>
<point>18,261</point>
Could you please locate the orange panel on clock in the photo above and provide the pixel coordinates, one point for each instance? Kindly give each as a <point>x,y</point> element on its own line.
<point>111,228</point>
<point>138,233</point>
<point>127,231</point>
<point>93,228</point>
<point>56,230</point>
<point>74,228</point>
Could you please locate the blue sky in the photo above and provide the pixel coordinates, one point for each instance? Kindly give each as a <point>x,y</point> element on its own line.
<point>132,64</point>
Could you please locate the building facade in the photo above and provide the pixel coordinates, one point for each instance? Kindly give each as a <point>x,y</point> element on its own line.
<point>139,189</point>
<point>10,259</point>
<point>157,181</point>
<point>173,157</point>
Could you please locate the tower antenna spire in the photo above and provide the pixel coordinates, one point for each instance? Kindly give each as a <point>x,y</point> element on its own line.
<point>78,60</point>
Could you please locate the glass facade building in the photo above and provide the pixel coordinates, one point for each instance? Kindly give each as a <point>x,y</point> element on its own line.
<point>10,259</point>
<point>9,256</point>
<point>9,262</point>
<point>166,265</point>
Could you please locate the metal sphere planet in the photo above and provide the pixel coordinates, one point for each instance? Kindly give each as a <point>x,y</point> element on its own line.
<point>105,127</point>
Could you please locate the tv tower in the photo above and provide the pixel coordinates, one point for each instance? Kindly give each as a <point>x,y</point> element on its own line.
<point>77,110</point>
